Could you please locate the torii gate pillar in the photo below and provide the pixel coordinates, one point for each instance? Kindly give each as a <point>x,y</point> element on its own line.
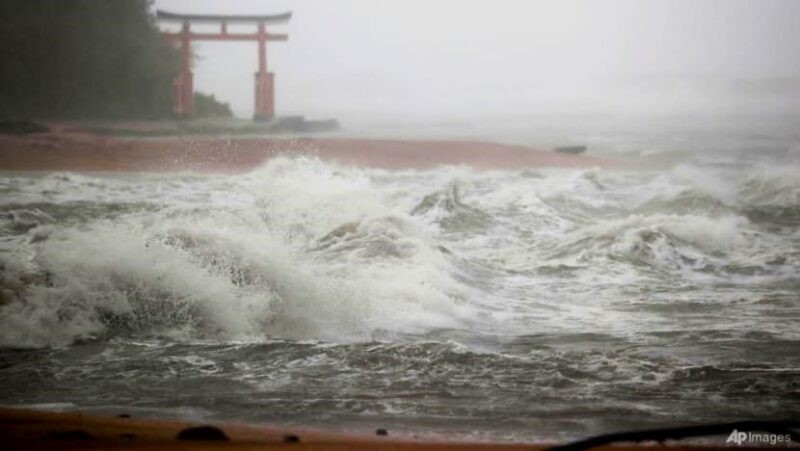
<point>265,81</point>
<point>183,83</point>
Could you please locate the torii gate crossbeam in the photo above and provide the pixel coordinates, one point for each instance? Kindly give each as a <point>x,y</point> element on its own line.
<point>182,88</point>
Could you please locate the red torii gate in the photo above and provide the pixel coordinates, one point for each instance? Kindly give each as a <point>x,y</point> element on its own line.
<point>182,86</point>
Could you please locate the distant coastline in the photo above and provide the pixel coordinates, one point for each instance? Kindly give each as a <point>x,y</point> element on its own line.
<point>67,147</point>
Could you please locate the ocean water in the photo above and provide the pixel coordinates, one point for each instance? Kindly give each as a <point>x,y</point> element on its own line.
<point>525,305</point>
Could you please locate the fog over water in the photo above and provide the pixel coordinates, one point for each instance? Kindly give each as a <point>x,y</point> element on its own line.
<point>472,59</point>
<point>527,304</point>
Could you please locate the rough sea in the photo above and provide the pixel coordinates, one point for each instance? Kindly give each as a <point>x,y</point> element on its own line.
<point>527,305</point>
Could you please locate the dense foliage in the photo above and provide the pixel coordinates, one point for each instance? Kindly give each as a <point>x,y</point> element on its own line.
<point>75,59</point>
<point>206,105</point>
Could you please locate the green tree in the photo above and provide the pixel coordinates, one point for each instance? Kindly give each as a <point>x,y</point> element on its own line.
<point>206,105</point>
<point>83,59</point>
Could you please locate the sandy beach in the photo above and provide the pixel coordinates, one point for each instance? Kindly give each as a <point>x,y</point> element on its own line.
<point>64,150</point>
<point>31,430</point>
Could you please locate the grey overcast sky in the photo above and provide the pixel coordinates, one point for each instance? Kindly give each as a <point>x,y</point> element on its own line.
<point>470,57</point>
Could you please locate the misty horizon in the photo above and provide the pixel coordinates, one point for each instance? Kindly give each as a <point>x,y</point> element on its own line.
<point>467,59</point>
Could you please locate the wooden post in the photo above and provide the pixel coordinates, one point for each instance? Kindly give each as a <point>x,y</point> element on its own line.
<point>182,85</point>
<point>264,81</point>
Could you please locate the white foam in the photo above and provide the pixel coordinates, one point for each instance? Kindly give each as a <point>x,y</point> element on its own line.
<point>307,250</point>
<point>249,272</point>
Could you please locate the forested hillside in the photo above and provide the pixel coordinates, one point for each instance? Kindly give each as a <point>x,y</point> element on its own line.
<point>83,59</point>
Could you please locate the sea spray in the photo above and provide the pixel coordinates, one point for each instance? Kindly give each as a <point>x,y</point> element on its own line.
<point>512,303</point>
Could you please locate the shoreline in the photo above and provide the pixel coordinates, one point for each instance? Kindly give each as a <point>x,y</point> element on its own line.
<point>65,150</point>
<point>25,428</point>
<point>29,429</point>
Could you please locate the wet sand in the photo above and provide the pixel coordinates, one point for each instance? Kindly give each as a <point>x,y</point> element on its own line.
<point>33,430</point>
<point>78,151</point>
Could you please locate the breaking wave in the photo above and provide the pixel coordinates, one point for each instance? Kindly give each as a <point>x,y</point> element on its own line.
<point>310,252</point>
<point>302,249</point>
